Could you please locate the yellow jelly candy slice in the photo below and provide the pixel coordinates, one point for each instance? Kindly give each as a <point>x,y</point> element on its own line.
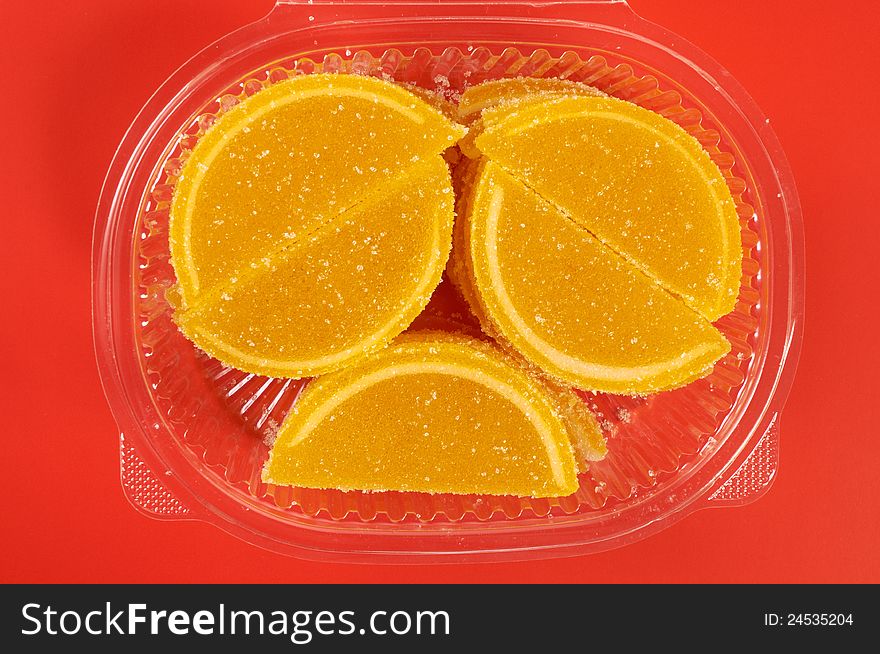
<point>432,413</point>
<point>571,305</point>
<point>286,161</point>
<point>326,300</point>
<point>638,182</point>
<point>501,91</point>
<point>490,102</point>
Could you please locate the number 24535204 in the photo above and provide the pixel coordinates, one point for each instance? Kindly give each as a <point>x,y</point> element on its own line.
<point>808,619</point>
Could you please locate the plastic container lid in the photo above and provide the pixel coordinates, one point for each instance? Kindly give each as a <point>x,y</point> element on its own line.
<point>193,432</point>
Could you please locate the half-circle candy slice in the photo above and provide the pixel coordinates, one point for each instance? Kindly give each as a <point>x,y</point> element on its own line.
<point>638,182</point>
<point>485,104</point>
<point>568,304</point>
<point>434,413</point>
<point>287,160</point>
<point>326,300</point>
<point>493,93</point>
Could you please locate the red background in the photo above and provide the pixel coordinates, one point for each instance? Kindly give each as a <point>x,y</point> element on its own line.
<point>74,75</point>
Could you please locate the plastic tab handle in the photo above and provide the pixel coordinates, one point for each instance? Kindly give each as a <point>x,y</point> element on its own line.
<point>754,476</point>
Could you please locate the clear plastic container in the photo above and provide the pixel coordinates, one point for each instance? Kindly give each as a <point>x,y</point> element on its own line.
<point>193,431</point>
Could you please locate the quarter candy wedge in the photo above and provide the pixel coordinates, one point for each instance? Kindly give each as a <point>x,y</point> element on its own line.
<point>571,306</point>
<point>635,180</point>
<point>323,301</point>
<point>433,413</point>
